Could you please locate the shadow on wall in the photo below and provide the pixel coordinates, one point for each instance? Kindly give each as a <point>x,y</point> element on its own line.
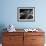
<point>2,26</point>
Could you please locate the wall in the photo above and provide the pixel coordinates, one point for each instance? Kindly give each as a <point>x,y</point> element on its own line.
<point>8,13</point>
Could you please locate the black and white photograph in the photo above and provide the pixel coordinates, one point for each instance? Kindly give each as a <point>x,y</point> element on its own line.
<point>26,14</point>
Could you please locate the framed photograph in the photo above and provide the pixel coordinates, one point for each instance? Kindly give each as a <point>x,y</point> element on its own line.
<point>26,14</point>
